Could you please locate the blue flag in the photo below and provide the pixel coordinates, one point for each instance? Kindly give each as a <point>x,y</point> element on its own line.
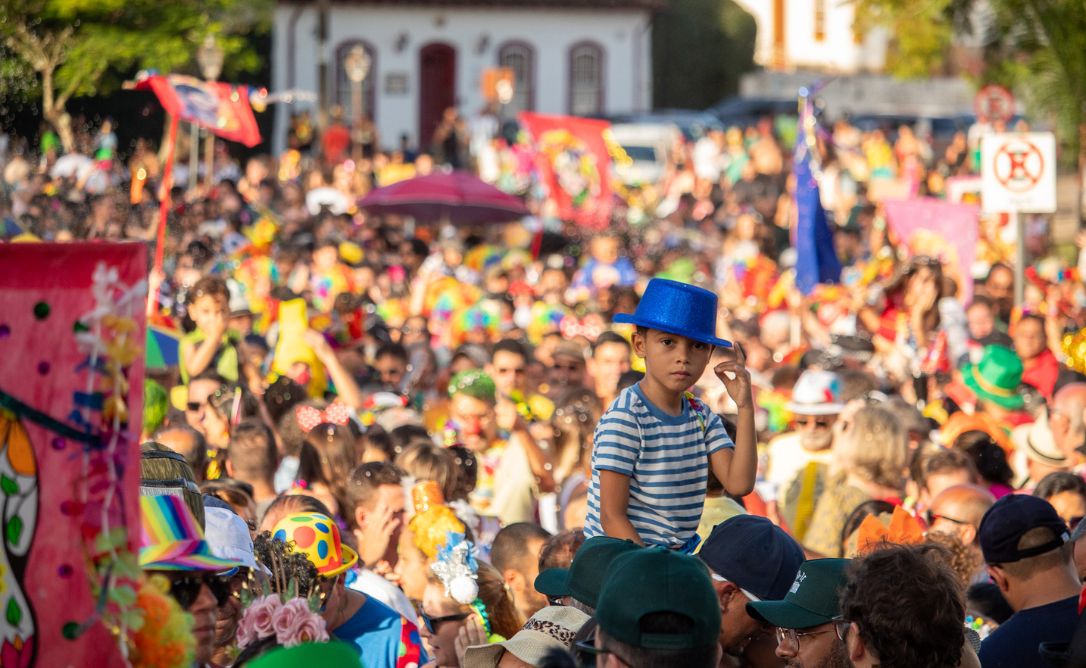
<point>817,260</point>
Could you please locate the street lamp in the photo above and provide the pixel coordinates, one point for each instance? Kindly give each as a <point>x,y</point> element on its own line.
<point>356,63</point>
<point>210,58</point>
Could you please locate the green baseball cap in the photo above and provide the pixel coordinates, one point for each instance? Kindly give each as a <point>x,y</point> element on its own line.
<point>585,575</point>
<point>654,580</point>
<point>332,654</point>
<point>811,601</point>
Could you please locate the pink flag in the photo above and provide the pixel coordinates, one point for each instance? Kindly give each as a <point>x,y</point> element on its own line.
<point>939,229</point>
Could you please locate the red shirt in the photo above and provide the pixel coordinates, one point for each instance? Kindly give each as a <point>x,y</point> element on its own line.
<point>1041,372</point>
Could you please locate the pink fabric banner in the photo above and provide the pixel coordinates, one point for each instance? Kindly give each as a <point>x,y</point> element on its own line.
<point>71,393</point>
<point>939,229</point>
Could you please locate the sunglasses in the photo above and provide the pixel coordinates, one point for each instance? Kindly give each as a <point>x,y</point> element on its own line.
<point>216,400</point>
<point>566,367</point>
<point>185,589</point>
<point>432,623</point>
<point>822,422</point>
<point>932,517</point>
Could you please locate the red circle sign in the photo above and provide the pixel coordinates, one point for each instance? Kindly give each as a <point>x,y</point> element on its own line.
<point>1018,165</point>
<point>994,102</point>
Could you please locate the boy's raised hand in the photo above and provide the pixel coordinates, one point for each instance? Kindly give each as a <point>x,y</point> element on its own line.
<point>733,373</point>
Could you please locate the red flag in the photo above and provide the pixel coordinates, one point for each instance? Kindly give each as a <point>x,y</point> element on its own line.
<point>573,157</point>
<point>219,107</point>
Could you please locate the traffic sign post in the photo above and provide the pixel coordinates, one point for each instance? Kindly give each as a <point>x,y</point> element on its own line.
<point>994,103</point>
<point>1018,175</point>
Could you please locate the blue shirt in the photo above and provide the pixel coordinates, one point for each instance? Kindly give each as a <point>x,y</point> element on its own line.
<point>1014,644</point>
<point>666,458</point>
<point>383,637</point>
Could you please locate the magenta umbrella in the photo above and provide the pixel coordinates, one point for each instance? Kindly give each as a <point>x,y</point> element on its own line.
<point>457,197</point>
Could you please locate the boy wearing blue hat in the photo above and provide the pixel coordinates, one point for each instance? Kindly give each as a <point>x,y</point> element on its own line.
<point>653,444</point>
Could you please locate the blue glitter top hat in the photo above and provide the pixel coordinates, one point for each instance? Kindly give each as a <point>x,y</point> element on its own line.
<point>677,308</point>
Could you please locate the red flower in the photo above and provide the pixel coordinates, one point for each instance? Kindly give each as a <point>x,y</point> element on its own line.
<point>17,654</point>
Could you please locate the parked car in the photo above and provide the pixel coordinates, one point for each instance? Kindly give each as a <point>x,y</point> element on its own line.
<point>648,145</point>
<point>746,111</point>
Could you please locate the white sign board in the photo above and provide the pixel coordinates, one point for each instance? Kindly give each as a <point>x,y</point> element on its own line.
<point>1018,172</point>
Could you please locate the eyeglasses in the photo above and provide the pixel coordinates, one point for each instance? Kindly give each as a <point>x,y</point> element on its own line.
<point>932,517</point>
<point>795,637</point>
<point>185,589</point>
<point>413,330</point>
<point>432,623</point>
<point>587,653</point>
<point>820,422</point>
<point>841,626</point>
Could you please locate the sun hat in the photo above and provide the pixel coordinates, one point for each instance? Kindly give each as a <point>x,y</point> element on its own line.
<point>1004,524</point>
<point>754,554</point>
<point>585,575</point>
<point>552,628</point>
<point>812,599</point>
<point>677,308</point>
<point>996,377</point>
<point>1037,442</point>
<point>654,580</point>
<point>334,654</point>
<point>816,392</point>
<point>170,539</point>
<point>317,537</point>
<point>228,537</point>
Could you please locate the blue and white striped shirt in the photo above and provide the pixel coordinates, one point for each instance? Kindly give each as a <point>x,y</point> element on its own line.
<point>667,460</point>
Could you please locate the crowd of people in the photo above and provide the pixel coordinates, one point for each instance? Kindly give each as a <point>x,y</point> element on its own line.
<point>540,444</point>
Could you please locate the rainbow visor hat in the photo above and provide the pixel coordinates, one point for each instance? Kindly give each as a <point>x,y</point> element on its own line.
<point>171,540</point>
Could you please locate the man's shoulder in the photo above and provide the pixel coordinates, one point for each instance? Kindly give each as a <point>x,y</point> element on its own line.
<point>1026,628</point>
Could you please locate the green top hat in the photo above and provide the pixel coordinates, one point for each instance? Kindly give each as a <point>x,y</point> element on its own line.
<point>812,600</point>
<point>333,654</point>
<point>996,377</point>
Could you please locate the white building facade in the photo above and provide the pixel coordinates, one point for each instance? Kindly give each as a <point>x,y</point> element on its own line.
<point>580,57</point>
<point>815,35</point>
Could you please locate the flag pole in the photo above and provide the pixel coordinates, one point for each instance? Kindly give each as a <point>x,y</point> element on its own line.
<point>164,201</point>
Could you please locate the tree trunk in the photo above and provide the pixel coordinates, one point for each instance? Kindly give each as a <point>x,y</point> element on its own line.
<point>54,112</point>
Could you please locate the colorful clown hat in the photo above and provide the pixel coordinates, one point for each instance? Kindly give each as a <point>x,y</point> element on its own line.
<point>317,537</point>
<point>172,541</point>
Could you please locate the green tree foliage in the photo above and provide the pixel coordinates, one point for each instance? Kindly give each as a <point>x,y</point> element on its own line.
<point>1037,47</point>
<point>700,48</point>
<point>87,47</point>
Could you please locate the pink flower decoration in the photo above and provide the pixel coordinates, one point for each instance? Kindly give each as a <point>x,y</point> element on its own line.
<point>246,632</point>
<point>311,629</point>
<point>292,614</point>
<point>262,615</point>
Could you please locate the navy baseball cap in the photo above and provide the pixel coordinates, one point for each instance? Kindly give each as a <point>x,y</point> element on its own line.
<point>1009,519</point>
<point>755,555</point>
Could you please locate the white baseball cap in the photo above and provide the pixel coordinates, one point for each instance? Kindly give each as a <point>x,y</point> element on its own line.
<point>816,393</point>
<point>228,537</point>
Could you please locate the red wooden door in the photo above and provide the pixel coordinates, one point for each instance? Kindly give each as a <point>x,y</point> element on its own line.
<point>437,87</point>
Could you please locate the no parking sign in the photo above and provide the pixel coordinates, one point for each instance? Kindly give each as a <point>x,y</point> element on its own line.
<point>1018,172</point>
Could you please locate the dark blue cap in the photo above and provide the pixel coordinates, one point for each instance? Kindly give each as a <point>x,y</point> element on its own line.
<point>754,554</point>
<point>1009,519</point>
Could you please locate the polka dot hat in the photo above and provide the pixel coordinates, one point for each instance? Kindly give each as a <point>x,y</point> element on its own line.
<point>317,537</point>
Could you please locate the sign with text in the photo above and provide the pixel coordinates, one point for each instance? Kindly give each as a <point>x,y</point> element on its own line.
<point>1018,173</point>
